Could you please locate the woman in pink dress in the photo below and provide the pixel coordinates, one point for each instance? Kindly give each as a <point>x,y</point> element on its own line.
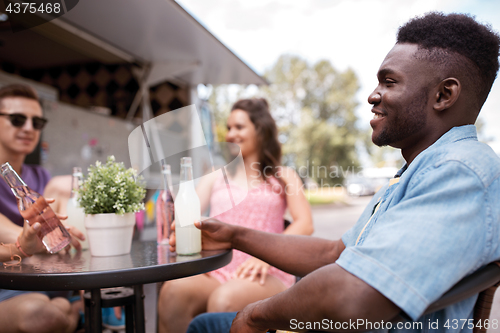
<point>271,189</point>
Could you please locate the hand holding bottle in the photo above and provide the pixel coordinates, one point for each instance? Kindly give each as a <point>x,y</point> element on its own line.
<point>215,235</point>
<point>77,234</point>
<point>35,209</point>
<point>29,241</point>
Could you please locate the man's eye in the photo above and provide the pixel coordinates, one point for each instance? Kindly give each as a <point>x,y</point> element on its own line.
<point>389,81</point>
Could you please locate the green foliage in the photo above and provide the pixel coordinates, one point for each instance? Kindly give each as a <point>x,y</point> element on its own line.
<point>314,108</point>
<point>110,188</point>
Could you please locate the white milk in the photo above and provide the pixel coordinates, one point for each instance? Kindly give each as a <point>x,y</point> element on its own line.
<point>76,218</point>
<point>187,211</point>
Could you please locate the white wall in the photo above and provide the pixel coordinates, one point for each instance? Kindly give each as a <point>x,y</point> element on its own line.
<point>75,136</point>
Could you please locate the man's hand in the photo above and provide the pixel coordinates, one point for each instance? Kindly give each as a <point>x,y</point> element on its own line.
<point>215,235</point>
<point>242,323</point>
<point>76,235</point>
<point>252,268</point>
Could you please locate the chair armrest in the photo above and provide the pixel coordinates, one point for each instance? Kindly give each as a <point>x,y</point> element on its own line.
<point>478,281</point>
<point>475,283</point>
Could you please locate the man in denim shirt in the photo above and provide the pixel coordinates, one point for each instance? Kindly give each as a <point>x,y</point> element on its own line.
<point>435,223</point>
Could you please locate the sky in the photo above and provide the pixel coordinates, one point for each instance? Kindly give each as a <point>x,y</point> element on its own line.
<point>353,34</point>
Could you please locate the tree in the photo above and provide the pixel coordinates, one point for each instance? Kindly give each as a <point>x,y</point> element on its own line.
<point>313,106</point>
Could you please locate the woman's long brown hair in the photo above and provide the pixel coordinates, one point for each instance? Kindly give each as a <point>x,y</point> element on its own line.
<point>267,135</point>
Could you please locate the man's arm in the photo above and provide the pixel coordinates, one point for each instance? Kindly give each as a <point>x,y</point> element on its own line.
<point>327,296</point>
<point>295,254</point>
<point>59,188</point>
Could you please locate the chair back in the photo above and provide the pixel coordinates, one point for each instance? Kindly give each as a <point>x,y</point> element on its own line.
<point>484,281</point>
<point>483,307</point>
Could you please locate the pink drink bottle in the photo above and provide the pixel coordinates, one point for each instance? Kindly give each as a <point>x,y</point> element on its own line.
<point>164,222</point>
<point>34,208</point>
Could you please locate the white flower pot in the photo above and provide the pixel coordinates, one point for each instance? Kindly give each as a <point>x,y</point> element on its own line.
<point>110,234</point>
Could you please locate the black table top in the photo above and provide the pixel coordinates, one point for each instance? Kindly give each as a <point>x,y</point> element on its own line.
<point>147,262</point>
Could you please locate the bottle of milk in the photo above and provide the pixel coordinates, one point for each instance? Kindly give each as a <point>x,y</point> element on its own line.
<point>187,211</point>
<point>76,216</point>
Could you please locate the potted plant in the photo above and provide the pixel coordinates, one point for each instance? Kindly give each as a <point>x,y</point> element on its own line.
<point>110,196</point>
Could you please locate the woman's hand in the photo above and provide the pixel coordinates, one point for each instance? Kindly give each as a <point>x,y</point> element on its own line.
<point>76,235</point>
<point>171,238</point>
<point>29,241</point>
<point>252,268</point>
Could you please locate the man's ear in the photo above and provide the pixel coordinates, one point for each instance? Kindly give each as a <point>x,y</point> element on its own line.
<point>447,94</point>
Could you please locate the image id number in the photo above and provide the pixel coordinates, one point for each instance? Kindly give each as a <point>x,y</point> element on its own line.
<point>33,8</point>
<point>462,323</point>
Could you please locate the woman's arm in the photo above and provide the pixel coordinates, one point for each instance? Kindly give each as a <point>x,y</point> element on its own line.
<point>23,245</point>
<point>8,230</point>
<point>204,190</point>
<point>59,188</point>
<point>297,203</point>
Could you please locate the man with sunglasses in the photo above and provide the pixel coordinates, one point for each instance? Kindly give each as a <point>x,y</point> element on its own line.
<point>21,122</point>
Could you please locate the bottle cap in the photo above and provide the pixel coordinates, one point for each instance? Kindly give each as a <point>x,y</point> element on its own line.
<point>77,171</point>
<point>165,168</point>
<point>185,161</point>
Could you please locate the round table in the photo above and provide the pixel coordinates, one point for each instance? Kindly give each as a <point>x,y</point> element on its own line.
<point>147,262</point>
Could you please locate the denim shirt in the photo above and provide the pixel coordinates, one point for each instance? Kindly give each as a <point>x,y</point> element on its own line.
<point>423,232</point>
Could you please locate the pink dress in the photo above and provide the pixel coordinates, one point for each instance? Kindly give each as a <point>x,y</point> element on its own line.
<point>262,209</point>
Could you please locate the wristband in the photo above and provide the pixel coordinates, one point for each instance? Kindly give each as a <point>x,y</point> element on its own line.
<point>12,256</point>
<point>18,245</point>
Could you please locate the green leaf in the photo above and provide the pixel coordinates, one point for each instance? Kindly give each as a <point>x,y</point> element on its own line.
<point>111,188</point>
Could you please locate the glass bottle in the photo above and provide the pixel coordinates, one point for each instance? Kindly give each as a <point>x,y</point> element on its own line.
<point>164,222</point>
<point>187,211</point>
<point>34,208</point>
<point>76,215</point>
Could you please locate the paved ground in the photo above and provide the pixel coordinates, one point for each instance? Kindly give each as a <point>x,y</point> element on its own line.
<point>332,221</point>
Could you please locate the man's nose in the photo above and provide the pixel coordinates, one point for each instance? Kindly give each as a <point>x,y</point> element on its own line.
<point>28,125</point>
<point>374,97</point>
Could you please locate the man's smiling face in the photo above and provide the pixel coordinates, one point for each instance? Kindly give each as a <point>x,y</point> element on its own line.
<point>19,140</point>
<point>401,100</point>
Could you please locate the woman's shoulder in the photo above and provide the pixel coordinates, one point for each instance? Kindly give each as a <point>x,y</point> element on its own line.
<point>288,175</point>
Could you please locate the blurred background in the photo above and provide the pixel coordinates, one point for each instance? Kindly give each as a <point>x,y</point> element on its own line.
<point>103,68</point>
<point>320,59</point>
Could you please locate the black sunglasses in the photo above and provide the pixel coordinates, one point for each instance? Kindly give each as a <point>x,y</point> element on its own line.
<point>19,119</point>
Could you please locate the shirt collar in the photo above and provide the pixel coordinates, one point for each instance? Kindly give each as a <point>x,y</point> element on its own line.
<point>453,135</point>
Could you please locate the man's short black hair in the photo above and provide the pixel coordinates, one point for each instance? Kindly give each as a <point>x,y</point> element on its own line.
<point>444,36</point>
